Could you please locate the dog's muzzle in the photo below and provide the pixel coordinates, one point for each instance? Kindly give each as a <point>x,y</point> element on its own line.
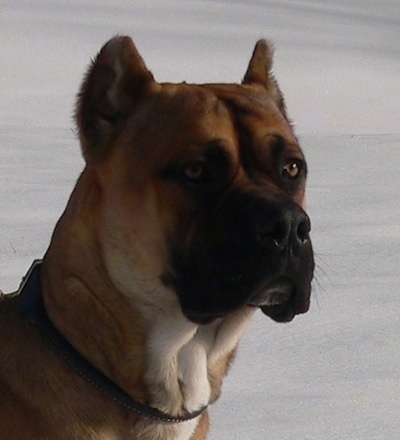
<point>253,251</point>
<point>285,232</point>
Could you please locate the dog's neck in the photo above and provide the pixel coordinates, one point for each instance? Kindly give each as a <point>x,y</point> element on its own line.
<point>81,299</point>
<point>143,342</point>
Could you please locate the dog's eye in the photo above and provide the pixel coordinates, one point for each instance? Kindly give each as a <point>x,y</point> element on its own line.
<point>194,171</point>
<point>292,169</point>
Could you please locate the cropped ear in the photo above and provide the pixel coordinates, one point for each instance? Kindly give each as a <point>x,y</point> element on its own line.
<point>260,64</point>
<point>259,72</point>
<point>114,83</point>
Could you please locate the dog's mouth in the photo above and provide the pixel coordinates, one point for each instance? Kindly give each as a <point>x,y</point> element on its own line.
<point>279,300</point>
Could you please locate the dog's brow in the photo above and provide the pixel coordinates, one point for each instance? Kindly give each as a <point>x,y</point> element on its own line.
<point>282,146</point>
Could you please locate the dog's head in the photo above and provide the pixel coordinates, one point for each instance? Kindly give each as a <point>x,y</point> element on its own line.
<point>202,186</point>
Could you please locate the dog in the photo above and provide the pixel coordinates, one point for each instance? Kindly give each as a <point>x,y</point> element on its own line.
<point>188,217</point>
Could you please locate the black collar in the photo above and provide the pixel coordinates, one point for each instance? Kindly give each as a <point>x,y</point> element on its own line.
<point>33,309</point>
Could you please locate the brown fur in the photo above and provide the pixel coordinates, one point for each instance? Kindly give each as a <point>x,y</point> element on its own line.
<point>117,219</point>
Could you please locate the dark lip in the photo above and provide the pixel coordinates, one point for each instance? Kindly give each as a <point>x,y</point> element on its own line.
<point>286,311</point>
<point>280,313</point>
<point>281,300</point>
<point>274,294</point>
<point>276,299</point>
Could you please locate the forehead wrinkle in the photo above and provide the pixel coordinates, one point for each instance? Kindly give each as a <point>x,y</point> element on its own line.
<point>243,98</point>
<point>256,119</point>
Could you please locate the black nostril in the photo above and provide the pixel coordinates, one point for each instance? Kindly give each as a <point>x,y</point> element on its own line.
<point>302,228</point>
<point>275,232</point>
<point>279,235</point>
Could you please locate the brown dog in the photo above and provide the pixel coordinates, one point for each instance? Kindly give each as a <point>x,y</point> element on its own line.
<point>187,218</point>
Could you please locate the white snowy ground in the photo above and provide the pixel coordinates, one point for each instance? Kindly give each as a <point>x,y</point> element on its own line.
<point>333,374</point>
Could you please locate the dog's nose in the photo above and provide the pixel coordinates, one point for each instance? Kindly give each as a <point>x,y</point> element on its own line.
<point>283,227</point>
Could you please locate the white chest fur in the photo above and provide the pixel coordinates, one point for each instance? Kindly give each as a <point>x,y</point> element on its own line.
<point>180,354</point>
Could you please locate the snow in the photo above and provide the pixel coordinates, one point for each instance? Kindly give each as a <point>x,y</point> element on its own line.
<point>334,372</point>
